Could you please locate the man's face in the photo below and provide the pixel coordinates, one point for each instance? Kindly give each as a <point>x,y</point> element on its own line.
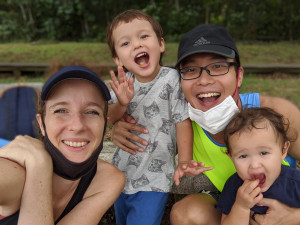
<point>208,91</point>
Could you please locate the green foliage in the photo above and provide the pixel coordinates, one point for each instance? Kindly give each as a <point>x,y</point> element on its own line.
<point>77,20</point>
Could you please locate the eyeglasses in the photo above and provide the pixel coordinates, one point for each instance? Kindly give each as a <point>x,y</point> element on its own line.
<point>213,69</point>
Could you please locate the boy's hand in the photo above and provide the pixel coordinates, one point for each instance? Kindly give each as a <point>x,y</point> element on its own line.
<point>248,194</point>
<point>123,89</point>
<point>190,168</point>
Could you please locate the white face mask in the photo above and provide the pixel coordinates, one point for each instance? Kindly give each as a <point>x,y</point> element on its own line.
<point>215,119</point>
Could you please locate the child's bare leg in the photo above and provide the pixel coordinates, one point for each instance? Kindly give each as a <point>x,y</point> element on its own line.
<point>195,209</point>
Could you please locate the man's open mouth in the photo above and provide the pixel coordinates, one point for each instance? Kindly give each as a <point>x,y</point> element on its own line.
<point>208,97</point>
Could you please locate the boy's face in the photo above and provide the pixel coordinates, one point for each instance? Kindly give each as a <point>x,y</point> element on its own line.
<point>208,91</point>
<point>138,49</point>
<point>257,154</point>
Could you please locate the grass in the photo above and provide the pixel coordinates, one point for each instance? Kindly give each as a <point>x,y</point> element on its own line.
<point>284,86</point>
<point>269,53</point>
<point>55,52</point>
<point>250,53</point>
<point>25,79</point>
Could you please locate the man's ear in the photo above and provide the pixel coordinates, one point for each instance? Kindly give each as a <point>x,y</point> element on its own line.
<point>285,149</point>
<point>240,76</point>
<point>40,121</point>
<point>228,153</point>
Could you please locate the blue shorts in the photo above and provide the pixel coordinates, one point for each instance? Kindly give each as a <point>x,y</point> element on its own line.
<point>141,208</point>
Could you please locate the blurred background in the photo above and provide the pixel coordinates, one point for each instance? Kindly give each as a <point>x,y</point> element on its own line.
<point>38,37</point>
<point>86,20</point>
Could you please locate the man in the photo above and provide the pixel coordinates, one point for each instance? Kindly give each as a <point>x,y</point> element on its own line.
<point>211,75</point>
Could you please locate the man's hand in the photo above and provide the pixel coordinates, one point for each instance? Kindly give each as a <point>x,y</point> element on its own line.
<point>278,213</point>
<point>122,137</point>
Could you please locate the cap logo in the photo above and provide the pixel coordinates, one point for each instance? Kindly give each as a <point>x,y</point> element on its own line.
<point>201,41</point>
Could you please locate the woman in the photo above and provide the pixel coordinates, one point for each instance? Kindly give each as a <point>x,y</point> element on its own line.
<point>78,187</point>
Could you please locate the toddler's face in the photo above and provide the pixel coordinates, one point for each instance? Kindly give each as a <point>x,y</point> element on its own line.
<point>257,154</point>
<point>138,49</point>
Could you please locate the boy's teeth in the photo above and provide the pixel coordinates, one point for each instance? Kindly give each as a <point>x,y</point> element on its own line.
<point>141,54</point>
<point>75,144</point>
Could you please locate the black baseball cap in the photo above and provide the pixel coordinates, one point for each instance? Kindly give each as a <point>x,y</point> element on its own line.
<point>74,72</point>
<point>207,38</point>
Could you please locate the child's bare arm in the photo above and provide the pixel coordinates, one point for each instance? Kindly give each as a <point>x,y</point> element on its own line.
<point>186,164</point>
<point>184,138</point>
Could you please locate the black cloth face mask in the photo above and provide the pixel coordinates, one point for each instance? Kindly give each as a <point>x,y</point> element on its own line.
<point>68,169</point>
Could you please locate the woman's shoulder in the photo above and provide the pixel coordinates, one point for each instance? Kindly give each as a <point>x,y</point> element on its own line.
<point>105,168</point>
<point>107,178</point>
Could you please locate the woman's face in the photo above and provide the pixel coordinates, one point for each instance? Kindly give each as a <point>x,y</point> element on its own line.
<point>74,118</point>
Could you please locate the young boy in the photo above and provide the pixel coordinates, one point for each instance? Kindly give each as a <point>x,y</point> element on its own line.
<point>152,95</point>
<point>257,143</point>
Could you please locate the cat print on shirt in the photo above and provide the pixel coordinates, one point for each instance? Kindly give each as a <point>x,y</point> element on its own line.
<point>176,118</point>
<point>171,149</point>
<point>116,158</point>
<point>164,72</point>
<point>134,160</point>
<point>144,90</point>
<point>131,107</point>
<point>140,182</point>
<point>180,96</point>
<point>166,92</point>
<point>151,111</point>
<point>166,126</point>
<point>156,165</point>
<point>151,146</point>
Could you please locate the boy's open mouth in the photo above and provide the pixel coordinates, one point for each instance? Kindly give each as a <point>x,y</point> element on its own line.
<point>261,177</point>
<point>142,59</point>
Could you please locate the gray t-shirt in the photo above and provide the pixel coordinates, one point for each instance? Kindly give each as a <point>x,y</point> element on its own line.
<point>157,105</point>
